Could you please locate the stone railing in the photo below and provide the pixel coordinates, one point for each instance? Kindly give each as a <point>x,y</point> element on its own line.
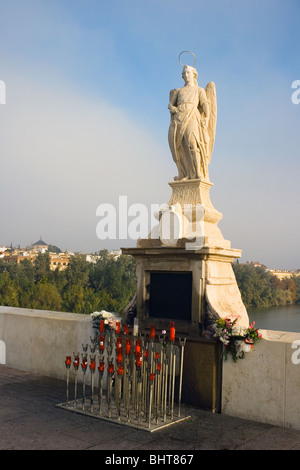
<point>264,386</point>
<point>39,340</point>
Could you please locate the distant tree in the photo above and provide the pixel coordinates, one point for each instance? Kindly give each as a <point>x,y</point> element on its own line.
<point>24,274</point>
<point>45,296</point>
<point>77,272</point>
<point>82,287</point>
<point>260,288</point>
<point>79,299</point>
<point>296,280</point>
<point>54,249</point>
<point>42,266</point>
<point>114,280</point>
<point>9,291</point>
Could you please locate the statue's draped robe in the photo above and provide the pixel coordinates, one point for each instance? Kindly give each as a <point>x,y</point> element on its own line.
<point>188,136</point>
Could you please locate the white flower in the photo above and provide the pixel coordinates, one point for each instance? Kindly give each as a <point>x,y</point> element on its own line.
<point>103,314</point>
<point>95,314</point>
<point>224,340</point>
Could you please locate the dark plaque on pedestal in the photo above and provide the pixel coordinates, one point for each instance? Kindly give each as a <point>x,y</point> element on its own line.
<point>171,296</point>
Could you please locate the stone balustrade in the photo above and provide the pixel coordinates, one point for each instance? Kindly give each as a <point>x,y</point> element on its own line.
<point>39,340</point>
<point>264,386</point>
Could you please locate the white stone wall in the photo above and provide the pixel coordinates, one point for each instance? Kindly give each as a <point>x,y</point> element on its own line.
<point>39,341</point>
<point>265,385</point>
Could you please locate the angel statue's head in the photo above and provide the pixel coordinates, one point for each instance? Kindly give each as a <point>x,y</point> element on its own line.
<point>189,74</point>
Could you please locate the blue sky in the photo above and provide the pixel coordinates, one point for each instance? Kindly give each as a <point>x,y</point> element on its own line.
<point>86,118</point>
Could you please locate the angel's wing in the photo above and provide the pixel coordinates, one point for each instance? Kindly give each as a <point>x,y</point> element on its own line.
<point>212,98</point>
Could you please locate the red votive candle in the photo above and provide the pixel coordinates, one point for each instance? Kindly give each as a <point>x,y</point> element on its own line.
<point>152,332</point>
<point>139,360</point>
<point>101,342</point>
<point>111,368</point>
<point>119,345</point>
<point>93,365</point>
<point>120,358</point>
<point>157,355</point>
<point>101,366</point>
<point>76,362</point>
<point>172,331</point>
<point>84,363</point>
<point>68,361</point>
<point>118,326</point>
<point>158,367</point>
<point>101,326</point>
<point>146,354</point>
<point>127,347</point>
<point>120,370</point>
<point>126,329</point>
<point>152,376</point>
<point>137,347</point>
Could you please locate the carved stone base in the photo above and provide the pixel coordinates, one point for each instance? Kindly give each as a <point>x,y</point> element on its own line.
<point>199,249</point>
<point>214,291</point>
<point>190,208</point>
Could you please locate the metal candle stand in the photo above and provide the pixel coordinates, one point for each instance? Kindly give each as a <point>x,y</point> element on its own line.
<point>138,374</point>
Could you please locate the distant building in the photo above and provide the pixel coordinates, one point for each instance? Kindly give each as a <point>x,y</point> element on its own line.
<point>279,273</point>
<point>59,261</point>
<point>92,258</point>
<point>116,253</point>
<point>284,274</point>
<point>16,257</point>
<point>40,246</point>
<point>2,251</point>
<point>256,264</point>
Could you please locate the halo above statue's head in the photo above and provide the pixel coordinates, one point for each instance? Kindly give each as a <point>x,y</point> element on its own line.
<point>189,52</point>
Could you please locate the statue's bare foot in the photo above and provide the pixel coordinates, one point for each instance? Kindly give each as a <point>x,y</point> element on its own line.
<point>182,178</point>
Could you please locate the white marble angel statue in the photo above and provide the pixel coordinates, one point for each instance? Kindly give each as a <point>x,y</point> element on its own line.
<point>193,125</point>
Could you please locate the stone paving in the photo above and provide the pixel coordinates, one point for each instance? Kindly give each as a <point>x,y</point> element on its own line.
<point>30,420</point>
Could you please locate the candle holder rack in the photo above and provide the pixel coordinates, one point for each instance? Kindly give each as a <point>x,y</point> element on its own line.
<point>130,378</point>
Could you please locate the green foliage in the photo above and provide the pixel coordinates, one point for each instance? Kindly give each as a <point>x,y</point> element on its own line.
<point>9,291</point>
<point>109,284</point>
<point>260,288</point>
<point>82,287</point>
<point>44,296</point>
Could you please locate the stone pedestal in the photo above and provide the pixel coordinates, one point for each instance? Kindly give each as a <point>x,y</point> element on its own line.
<point>196,255</point>
<point>188,277</point>
<point>210,289</point>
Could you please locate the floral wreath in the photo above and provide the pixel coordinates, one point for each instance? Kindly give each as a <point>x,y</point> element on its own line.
<point>109,318</point>
<point>236,340</point>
